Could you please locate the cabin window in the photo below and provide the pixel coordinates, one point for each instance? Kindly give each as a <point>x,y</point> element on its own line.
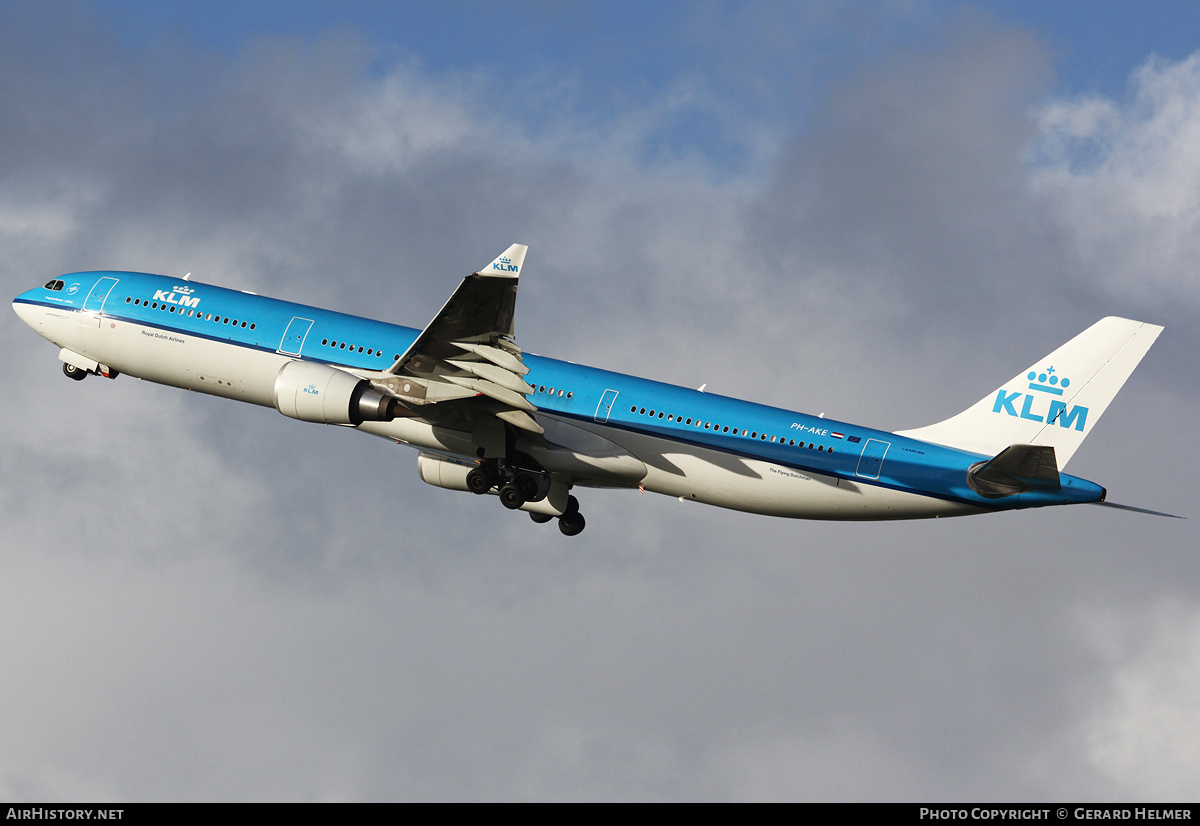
<point>324,341</point>
<point>128,300</point>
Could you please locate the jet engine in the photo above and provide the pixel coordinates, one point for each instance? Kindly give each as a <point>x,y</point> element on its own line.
<point>444,472</point>
<point>326,395</point>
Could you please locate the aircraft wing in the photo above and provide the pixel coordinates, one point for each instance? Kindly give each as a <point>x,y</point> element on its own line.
<point>465,367</point>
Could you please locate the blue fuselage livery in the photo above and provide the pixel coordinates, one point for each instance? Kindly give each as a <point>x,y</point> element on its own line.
<point>488,418</point>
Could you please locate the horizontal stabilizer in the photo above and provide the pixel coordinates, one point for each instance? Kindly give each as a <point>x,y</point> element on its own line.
<point>1016,469</point>
<point>1138,510</point>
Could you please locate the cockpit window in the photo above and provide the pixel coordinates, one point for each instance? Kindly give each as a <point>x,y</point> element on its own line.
<point>55,284</point>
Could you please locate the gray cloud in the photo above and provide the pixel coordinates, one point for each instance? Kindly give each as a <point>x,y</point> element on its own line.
<point>206,600</point>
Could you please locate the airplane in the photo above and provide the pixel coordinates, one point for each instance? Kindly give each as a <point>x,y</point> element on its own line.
<point>488,418</point>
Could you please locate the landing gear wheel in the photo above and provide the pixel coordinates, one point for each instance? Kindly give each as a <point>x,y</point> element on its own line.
<point>528,485</point>
<point>511,496</point>
<point>478,481</point>
<point>571,523</point>
<point>540,518</point>
<point>74,373</point>
<point>572,505</point>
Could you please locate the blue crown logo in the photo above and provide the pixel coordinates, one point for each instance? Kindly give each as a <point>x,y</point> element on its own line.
<point>1047,381</point>
<point>184,290</point>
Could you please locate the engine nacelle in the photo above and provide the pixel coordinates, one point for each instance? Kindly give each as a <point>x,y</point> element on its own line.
<point>319,393</point>
<point>444,472</point>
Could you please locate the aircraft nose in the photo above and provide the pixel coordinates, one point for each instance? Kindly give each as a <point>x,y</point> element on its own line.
<point>27,312</point>
<point>21,309</point>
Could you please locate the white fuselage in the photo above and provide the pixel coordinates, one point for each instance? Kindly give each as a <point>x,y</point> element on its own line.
<point>609,456</point>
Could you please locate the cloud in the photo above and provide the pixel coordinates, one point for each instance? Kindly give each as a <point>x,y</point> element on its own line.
<point>208,600</point>
<point>1143,735</point>
<point>1122,180</point>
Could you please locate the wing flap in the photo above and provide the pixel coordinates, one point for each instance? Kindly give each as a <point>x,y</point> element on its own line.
<point>496,375</point>
<point>521,419</point>
<point>467,350</point>
<point>494,391</point>
<point>497,356</point>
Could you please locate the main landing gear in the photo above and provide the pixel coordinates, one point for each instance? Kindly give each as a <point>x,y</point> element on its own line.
<point>518,487</point>
<point>572,521</point>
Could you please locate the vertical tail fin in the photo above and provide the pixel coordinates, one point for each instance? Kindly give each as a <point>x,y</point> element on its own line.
<point>1057,400</point>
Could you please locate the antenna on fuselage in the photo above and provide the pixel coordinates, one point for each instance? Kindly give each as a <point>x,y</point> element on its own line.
<point>701,387</point>
<point>186,277</point>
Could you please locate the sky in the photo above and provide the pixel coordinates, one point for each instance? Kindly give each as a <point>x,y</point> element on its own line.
<point>875,211</point>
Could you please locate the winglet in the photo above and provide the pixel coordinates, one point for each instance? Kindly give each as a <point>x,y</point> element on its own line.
<point>508,265</point>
